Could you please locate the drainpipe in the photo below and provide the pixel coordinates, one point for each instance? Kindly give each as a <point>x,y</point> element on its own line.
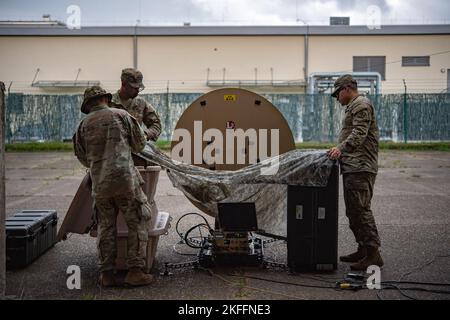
<point>167,107</point>
<point>135,46</point>
<point>405,119</point>
<point>2,194</point>
<point>306,55</point>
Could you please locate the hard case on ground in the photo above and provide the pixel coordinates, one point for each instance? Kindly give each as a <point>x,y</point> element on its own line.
<point>29,233</point>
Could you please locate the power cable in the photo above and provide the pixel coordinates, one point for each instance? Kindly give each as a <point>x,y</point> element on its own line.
<point>246,286</point>
<point>397,61</point>
<point>285,282</point>
<point>422,266</point>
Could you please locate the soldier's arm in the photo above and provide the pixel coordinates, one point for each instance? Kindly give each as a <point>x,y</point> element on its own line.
<point>78,147</point>
<point>361,122</point>
<point>152,122</point>
<point>137,135</point>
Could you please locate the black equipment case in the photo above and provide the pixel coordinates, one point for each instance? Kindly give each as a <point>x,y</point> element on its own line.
<point>29,233</point>
<point>312,226</point>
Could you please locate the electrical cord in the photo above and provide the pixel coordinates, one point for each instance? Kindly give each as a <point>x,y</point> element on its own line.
<point>422,266</point>
<point>396,285</point>
<point>417,269</point>
<point>284,282</point>
<point>187,214</point>
<point>387,285</point>
<point>321,279</point>
<point>397,61</point>
<point>399,289</point>
<point>393,287</point>
<point>417,282</point>
<point>190,240</point>
<point>246,286</point>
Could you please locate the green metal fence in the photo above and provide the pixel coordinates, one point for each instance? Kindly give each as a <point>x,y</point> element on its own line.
<point>424,117</point>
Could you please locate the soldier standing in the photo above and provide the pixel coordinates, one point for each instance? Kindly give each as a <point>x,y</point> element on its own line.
<point>127,98</point>
<point>103,143</point>
<point>357,151</point>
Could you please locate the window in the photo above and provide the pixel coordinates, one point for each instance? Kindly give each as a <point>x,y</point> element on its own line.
<point>423,61</point>
<point>370,63</point>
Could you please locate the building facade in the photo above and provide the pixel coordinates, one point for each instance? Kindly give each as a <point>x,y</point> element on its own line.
<point>277,59</point>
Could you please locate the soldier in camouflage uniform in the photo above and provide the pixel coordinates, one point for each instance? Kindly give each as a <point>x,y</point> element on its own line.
<point>103,143</point>
<point>357,151</point>
<point>127,98</point>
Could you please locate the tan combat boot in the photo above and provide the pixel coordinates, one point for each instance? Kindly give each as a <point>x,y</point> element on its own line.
<point>373,257</point>
<point>136,277</point>
<point>355,256</point>
<point>107,279</point>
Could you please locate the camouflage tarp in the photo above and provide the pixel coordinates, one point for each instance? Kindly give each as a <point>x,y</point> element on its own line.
<point>264,183</point>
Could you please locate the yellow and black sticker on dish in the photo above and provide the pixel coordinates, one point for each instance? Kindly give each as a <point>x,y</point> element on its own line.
<point>229,97</point>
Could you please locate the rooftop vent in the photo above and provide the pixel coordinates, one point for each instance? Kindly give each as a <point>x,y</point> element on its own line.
<point>339,21</point>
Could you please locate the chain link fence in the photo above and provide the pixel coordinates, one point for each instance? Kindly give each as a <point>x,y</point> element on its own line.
<point>317,118</point>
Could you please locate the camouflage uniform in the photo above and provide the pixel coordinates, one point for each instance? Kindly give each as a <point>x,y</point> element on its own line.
<point>138,107</point>
<point>358,142</point>
<point>103,142</point>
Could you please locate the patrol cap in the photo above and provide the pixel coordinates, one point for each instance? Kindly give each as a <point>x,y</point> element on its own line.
<point>133,77</point>
<point>342,81</point>
<point>93,93</point>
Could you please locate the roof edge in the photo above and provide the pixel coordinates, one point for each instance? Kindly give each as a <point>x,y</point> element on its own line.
<point>14,30</point>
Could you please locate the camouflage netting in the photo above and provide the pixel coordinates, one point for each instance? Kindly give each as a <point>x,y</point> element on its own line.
<point>264,183</point>
<point>426,117</point>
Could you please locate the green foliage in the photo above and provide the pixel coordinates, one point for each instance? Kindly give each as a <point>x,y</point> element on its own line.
<point>419,146</point>
<point>39,146</point>
<point>165,145</point>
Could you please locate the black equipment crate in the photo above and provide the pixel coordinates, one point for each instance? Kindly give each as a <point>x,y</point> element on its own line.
<point>312,226</point>
<point>29,233</point>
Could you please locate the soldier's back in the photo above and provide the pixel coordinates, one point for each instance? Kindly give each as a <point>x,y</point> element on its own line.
<point>108,152</point>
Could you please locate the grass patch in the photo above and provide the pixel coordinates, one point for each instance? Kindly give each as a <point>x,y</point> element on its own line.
<point>165,145</point>
<point>39,146</point>
<point>58,146</point>
<point>416,146</point>
<point>425,146</point>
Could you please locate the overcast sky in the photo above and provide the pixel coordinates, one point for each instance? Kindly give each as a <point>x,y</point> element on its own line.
<point>229,12</point>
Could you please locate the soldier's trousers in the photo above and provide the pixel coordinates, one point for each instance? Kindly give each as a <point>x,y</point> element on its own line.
<point>358,192</point>
<point>106,211</point>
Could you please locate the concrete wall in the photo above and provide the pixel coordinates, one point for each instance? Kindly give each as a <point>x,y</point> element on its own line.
<point>335,54</point>
<point>185,60</point>
<point>59,58</point>
<point>181,62</point>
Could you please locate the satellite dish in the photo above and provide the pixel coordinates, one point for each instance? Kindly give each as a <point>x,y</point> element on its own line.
<point>241,111</point>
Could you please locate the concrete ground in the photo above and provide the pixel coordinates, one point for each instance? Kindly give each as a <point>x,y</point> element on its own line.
<point>411,206</point>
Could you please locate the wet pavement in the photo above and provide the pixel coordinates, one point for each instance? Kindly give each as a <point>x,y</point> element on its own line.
<point>411,206</point>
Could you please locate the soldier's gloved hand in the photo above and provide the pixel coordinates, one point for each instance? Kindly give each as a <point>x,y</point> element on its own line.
<point>151,135</point>
<point>334,153</point>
